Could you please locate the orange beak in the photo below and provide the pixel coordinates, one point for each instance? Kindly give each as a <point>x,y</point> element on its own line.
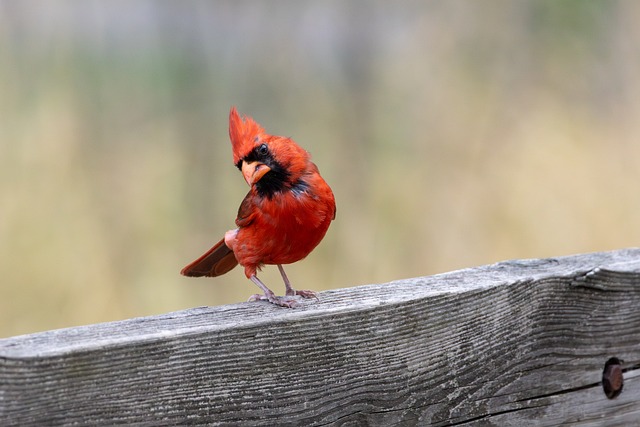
<point>253,171</point>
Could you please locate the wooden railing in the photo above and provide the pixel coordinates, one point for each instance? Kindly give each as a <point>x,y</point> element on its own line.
<point>515,343</point>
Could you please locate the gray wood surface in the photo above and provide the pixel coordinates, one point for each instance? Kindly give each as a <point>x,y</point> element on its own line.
<point>510,344</point>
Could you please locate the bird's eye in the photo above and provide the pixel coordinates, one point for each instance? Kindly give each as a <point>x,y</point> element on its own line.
<point>263,150</point>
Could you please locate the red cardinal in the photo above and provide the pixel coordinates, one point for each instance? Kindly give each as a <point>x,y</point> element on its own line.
<point>283,217</point>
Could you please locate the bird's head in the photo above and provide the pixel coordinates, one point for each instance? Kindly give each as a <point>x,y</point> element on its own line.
<point>270,163</point>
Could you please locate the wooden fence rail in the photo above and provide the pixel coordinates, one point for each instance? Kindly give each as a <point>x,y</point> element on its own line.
<point>509,344</point>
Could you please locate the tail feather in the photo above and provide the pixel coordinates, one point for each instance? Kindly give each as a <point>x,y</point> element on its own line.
<point>215,262</point>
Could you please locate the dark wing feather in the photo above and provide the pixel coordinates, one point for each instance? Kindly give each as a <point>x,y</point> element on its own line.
<point>215,262</point>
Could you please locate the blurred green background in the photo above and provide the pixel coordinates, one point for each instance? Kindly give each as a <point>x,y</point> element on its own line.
<point>453,134</point>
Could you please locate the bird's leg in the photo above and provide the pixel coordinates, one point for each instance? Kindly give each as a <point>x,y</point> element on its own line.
<point>290,291</point>
<point>269,295</point>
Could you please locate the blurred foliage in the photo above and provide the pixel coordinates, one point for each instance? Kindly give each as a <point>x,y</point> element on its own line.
<point>453,134</point>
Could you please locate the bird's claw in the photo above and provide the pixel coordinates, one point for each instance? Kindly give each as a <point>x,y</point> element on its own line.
<point>303,293</point>
<point>279,301</point>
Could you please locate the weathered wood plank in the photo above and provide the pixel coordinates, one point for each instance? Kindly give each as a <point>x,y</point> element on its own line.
<point>503,344</point>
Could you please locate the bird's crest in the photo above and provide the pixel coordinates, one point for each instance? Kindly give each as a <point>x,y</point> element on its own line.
<point>244,133</point>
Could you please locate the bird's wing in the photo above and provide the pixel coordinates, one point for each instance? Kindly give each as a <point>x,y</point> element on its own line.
<point>247,211</point>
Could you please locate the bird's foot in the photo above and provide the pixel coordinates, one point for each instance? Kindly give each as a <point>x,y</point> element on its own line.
<point>273,299</point>
<point>292,292</point>
<point>303,293</point>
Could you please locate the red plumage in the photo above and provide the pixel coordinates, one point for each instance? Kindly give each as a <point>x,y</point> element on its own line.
<point>283,217</point>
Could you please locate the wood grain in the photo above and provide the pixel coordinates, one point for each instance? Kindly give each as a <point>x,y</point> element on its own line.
<point>513,343</point>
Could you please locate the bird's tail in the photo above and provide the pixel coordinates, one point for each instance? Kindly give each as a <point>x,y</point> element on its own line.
<point>215,262</point>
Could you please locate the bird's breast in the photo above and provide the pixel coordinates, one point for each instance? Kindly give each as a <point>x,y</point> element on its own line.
<point>286,227</point>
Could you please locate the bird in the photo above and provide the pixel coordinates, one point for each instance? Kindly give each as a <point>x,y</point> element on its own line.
<point>283,217</point>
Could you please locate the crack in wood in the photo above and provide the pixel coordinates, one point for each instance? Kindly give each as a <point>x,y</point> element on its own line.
<point>560,392</point>
<point>492,415</point>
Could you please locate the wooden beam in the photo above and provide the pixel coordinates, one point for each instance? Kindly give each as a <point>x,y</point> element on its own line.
<point>504,344</point>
